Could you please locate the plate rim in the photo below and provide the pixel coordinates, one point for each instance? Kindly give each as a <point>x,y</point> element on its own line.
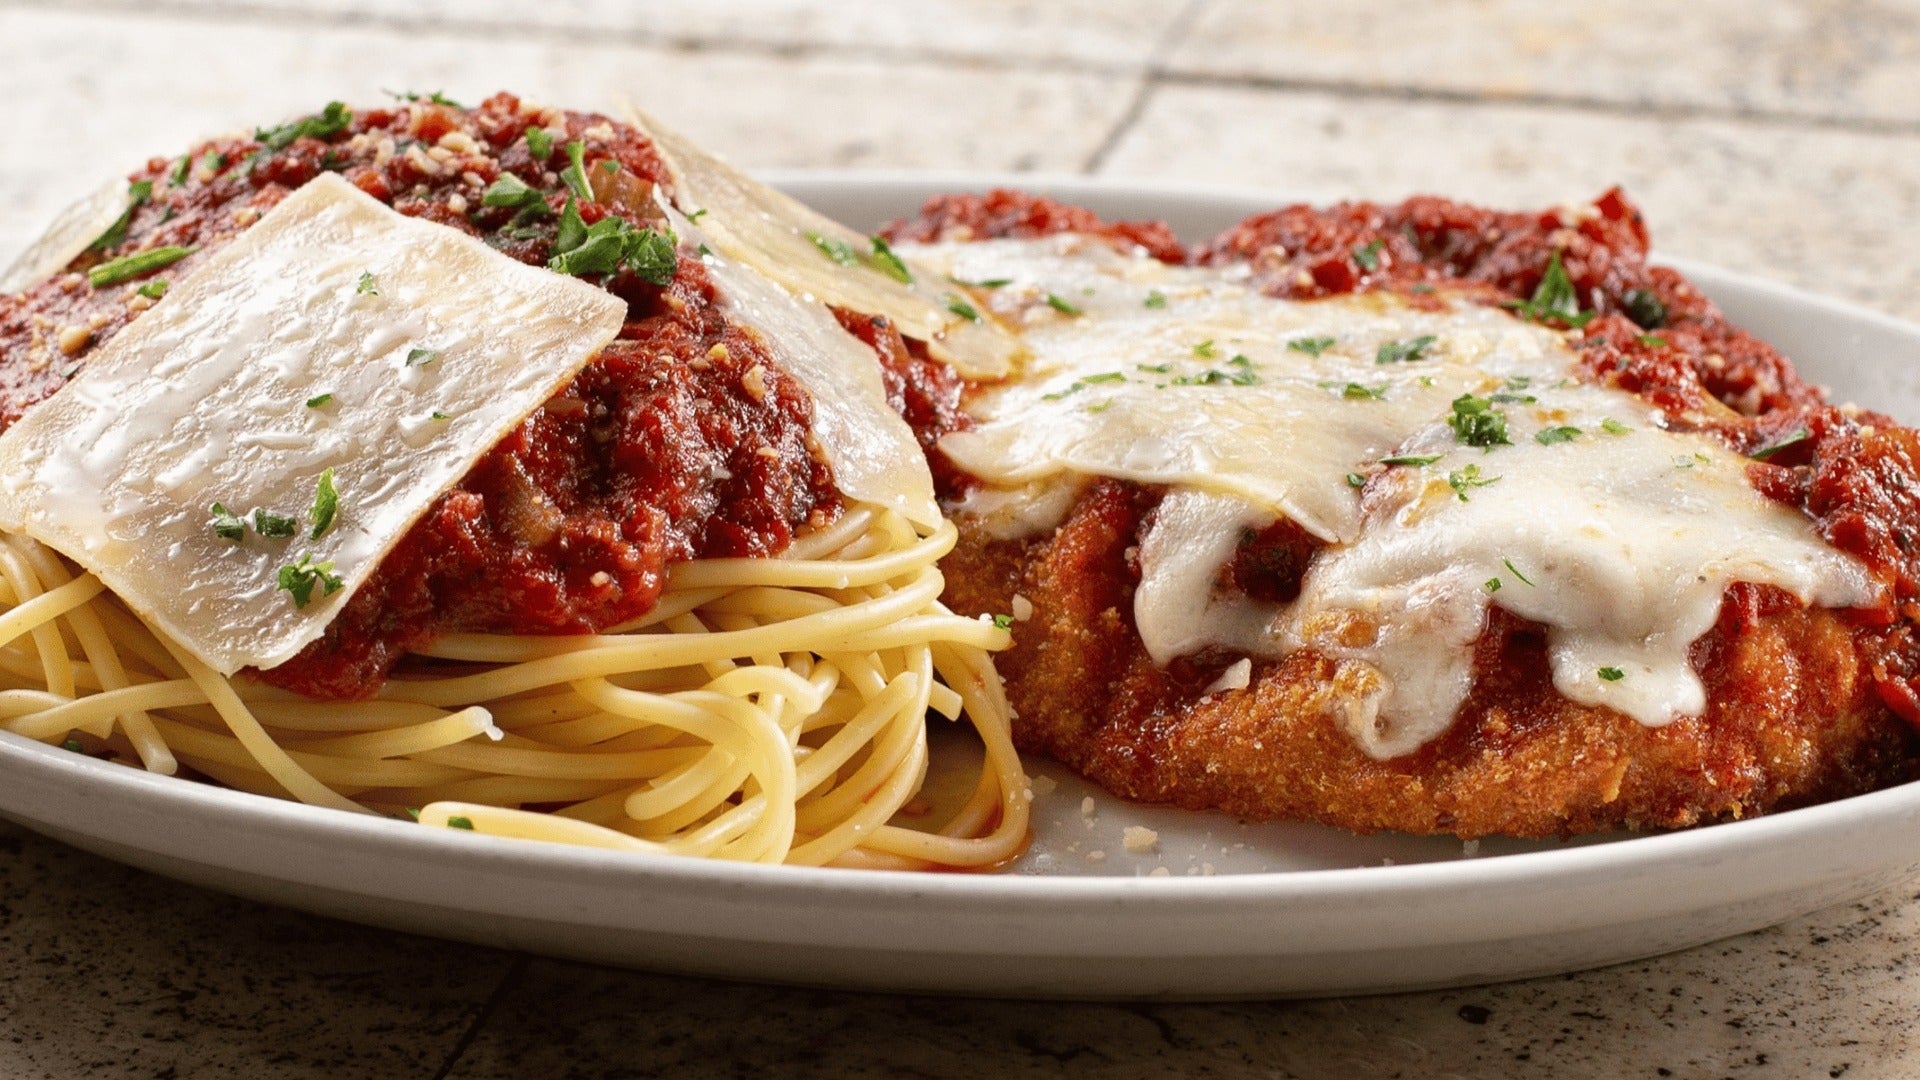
<point>1893,811</point>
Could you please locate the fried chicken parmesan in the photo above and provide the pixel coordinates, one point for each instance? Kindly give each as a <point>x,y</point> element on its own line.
<point>1419,517</point>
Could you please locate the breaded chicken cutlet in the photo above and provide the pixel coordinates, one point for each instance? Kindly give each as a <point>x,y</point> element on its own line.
<point>1512,717</point>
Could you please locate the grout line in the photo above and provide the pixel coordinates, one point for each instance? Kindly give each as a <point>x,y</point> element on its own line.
<point>1157,75</point>
<point>514,972</point>
<point>1634,110</point>
<point>1150,78</point>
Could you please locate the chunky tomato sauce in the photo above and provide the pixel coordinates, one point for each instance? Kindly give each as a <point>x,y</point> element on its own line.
<point>683,439</point>
<point>1856,474</point>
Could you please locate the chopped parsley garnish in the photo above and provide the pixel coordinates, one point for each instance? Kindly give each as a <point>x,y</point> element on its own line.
<point>326,503</point>
<point>319,401</point>
<point>705,251</point>
<point>575,174</point>
<point>1241,375</point>
<point>1399,352</point>
<point>273,526</point>
<point>1612,674</point>
<point>1553,435</point>
<point>1493,584</point>
<point>539,143</point>
<point>179,174</point>
<point>1204,350</point>
<point>984,283</point>
<point>138,194</point>
<point>888,263</point>
<point>610,244</point>
<point>214,161</point>
<point>369,285</point>
<point>1099,406</point>
<point>1614,427</point>
<point>1157,369</point>
<point>1355,480</point>
<point>1797,435</point>
<point>1477,423</point>
<point>1057,303</point>
<point>1003,622</point>
<point>458,822</point>
<point>129,267</point>
<point>227,525</point>
<point>436,97</point>
<point>1155,299</point>
<point>1653,341</point>
<point>438,415</point>
<point>962,308</point>
<point>1460,480</point>
<point>1515,571</point>
<point>511,191</point>
<point>417,357</point>
<point>331,120</point>
<point>697,215</point>
<point>155,289</point>
<point>1553,298</point>
<point>838,250</point>
<point>1411,459</point>
<point>1645,308</point>
<point>299,578</point>
<point>1312,346</point>
<point>1082,383</point>
<point>74,745</point>
<point>1358,392</point>
<point>1369,257</point>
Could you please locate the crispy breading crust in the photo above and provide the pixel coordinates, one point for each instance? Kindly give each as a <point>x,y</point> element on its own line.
<point>1793,718</point>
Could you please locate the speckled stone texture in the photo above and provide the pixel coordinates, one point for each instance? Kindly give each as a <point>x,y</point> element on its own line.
<point>1778,138</point>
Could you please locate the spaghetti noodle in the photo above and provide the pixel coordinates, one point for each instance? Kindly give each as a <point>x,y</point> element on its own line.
<point>767,710</point>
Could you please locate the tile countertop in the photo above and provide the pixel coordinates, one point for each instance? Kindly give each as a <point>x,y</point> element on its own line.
<point>1781,139</point>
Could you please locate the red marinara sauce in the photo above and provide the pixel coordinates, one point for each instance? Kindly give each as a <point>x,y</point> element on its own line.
<point>683,439</point>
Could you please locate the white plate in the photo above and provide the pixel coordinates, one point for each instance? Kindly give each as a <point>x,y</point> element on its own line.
<point>1287,910</point>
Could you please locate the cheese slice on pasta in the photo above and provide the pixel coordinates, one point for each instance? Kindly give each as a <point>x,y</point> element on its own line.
<point>70,235</point>
<point>335,334</point>
<point>816,257</point>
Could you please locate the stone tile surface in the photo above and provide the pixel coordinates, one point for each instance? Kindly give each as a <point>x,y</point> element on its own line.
<point>1102,32</point>
<point>1836,212</point>
<point>107,971</point>
<point>1827,995</point>
<point>100,109</point>
<point>1844,62</point>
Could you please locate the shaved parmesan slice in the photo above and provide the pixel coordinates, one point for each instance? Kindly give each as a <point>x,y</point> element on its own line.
<point>204,399</point>
<point>1584,516</point>
<point>72,233</point>
<point>874,455</point>
<point>790,243</point>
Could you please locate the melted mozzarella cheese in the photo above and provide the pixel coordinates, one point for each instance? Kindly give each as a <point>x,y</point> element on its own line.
<point>1621,545</point>
<point>796,246</point>
<point>1615,534</point>
<point>205,399</point>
